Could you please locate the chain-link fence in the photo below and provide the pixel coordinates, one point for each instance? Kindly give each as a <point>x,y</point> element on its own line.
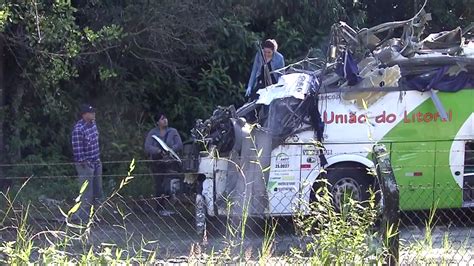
<point>441,236</point>
<point>127,224</point>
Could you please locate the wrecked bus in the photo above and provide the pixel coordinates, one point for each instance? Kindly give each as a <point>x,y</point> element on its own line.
<point>414,95</point>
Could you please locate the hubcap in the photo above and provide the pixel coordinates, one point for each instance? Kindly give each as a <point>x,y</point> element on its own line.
<point>344,189</point>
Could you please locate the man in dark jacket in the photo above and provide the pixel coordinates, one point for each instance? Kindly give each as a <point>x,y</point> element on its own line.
<point>164,165</point>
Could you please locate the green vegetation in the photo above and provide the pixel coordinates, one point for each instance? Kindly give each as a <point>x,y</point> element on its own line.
<point>330,237</point>
<point>327,237</point>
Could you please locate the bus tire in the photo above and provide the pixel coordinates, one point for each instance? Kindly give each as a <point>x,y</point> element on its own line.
<point>349,179</point>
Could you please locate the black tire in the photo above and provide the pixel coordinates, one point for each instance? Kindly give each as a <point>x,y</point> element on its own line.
<point>347,179</point>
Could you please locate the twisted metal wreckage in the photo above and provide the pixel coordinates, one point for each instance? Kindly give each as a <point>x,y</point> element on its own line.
<point>357,61</point>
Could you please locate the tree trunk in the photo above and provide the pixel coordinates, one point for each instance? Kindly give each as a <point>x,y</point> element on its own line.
<point>3,182</point>
<point>17,94</point>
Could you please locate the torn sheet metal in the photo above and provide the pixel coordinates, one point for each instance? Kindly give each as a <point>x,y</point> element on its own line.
<point>385,77</point>
<point>439,106</point>
<point>294,85</point>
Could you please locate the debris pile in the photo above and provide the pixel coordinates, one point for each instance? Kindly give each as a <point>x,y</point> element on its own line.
<point>373,60</point>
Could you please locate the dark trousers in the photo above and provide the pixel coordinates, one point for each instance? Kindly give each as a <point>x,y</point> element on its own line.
<point>92,173</point>
<point>162,174</point>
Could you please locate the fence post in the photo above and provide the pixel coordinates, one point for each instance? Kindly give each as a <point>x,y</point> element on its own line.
<point>389,200</point>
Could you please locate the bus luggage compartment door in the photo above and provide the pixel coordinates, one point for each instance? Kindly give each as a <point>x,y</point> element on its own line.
<point>284,180</point>
<point>413,166</point>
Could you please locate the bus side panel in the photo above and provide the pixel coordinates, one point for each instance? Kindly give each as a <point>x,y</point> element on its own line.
<point>413,166</point>
<point>284,180</point>
<point>420,129</point>
<point>448,193</point>
<point>310,170</point>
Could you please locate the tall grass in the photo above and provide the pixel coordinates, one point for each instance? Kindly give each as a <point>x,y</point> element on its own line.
<point>57,246</point>
<point>327,236</point>
<point>339,237</point>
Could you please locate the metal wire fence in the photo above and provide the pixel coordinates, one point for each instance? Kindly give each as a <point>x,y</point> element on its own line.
<point>130,221</point>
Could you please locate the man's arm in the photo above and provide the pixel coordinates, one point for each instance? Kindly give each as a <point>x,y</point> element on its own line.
<point>78,145</point>
<point>149,147</point>
<point>280,63</point>
<point>253,74</point>
<point>177,142</point>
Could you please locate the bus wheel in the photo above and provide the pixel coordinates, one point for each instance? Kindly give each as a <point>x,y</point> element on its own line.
<point>348,181</point>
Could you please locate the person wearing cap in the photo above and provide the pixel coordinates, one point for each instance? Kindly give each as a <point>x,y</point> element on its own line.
<point>162,166</point>
<point>266,60</point>
<point>85,146</point>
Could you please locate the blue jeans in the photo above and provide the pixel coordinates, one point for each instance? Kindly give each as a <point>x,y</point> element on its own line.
<point>92,172</point>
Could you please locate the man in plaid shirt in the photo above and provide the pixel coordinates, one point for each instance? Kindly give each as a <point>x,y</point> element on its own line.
<point>85,146</point>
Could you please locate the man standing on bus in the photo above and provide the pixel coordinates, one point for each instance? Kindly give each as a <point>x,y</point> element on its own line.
<point>266,60</point>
